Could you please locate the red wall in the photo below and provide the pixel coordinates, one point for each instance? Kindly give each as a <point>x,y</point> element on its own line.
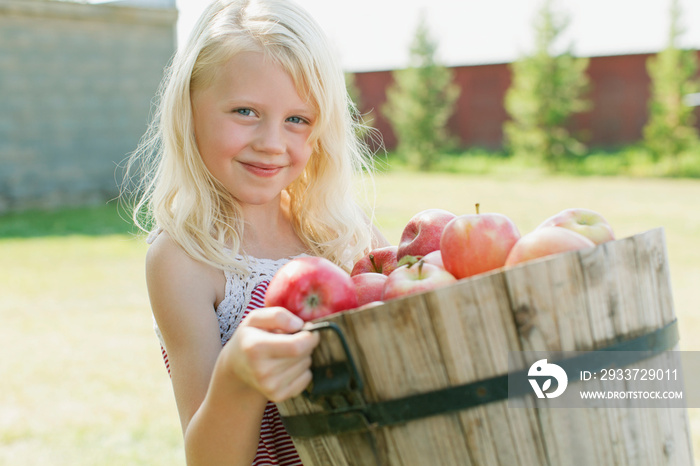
<point>619,94</point>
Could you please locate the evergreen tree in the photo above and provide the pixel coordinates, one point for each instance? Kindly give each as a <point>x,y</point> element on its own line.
<point>546,90</point>
<point>420,102</point>
<point>670,129</point>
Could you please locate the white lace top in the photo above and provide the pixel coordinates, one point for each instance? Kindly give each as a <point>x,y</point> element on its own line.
<point>239,292</point>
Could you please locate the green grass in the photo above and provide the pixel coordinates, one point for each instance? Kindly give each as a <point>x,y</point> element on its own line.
<point>629,161</point>
<point>81,378</point>
<point>91,221</point>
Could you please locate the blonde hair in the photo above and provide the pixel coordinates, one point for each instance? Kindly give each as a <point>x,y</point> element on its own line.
<point>177,192</point>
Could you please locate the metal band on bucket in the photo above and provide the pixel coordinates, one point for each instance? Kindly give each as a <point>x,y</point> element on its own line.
<point>345,409</point>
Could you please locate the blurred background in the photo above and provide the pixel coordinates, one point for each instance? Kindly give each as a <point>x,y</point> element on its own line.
<point>78,78</point>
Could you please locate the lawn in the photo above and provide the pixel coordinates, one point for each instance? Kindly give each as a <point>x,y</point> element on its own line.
<point>81,379</point>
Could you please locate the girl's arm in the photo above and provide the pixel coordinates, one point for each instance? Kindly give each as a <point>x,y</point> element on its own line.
<point>221,393</point>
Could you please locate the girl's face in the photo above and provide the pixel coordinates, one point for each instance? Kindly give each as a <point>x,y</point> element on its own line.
<point>252,128</point>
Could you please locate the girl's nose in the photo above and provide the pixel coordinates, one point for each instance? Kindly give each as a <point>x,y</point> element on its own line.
<point>269,139</point>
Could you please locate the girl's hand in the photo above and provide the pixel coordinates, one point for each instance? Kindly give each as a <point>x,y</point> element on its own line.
<point>270,353</point>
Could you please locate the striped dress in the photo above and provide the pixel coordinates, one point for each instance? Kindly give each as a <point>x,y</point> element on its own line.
<point>243,295</point>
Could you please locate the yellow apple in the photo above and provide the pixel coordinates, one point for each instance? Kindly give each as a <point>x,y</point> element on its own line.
<point>586,222</point>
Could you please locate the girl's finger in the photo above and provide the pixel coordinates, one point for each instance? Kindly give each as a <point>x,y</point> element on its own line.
<point>274,319</point>
<point>296,386</point>
<point>290,381</point>
<point>297,345</point>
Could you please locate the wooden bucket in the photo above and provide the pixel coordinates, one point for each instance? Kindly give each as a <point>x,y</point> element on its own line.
<point>463,333</point>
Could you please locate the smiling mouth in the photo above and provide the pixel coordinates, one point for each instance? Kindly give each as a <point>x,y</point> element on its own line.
<point>261,169</point>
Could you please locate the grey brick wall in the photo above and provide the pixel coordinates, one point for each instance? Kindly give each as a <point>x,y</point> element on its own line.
<point>76,85</point>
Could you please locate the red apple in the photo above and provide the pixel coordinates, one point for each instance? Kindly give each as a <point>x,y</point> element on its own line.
<point>422,233</point>
<point>311,287</point>
<point>545,241</point>
<point>434,258</point>
<point>589,223</point>
<point>369,287</point>
<point>477,243</point>
<point>380,260</point>
<point>415,278</point>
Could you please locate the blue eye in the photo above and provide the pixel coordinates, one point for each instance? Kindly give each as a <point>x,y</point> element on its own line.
<point>296,120</point>
<point>244,111</point>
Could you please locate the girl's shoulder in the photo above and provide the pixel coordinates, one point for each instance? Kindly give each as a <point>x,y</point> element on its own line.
<point>169,268</point>
<point>163,251</point>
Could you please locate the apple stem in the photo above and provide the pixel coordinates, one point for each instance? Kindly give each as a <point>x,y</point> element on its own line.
<point>420,267</point>
<point>374,264</point>
<point>410,260</point>
<point>477,208</point>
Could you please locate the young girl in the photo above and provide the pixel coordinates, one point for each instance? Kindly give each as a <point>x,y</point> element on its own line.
<point>249,163</point>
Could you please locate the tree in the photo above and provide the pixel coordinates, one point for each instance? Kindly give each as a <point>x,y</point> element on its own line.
<point>547,89</point>
<point>670,129</point>
<point>420,102</point>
